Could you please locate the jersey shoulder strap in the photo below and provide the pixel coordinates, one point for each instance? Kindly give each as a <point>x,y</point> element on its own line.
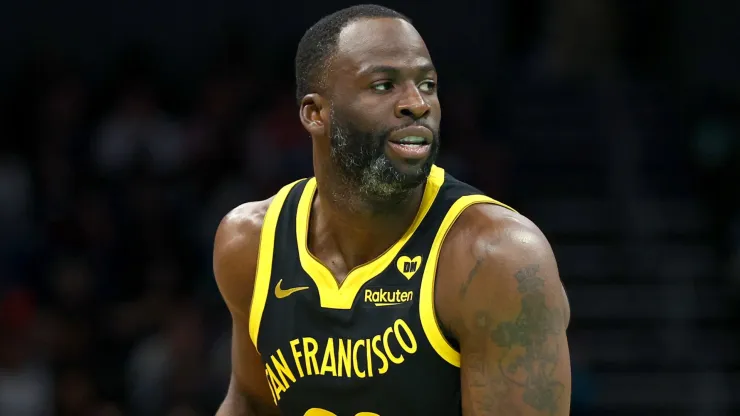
<point>265,259</point>
<point>456,197</point>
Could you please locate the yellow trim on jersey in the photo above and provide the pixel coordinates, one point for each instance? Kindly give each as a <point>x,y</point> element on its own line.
<point>427,312</point>
<point>264,261</point>
<point>331,294</point>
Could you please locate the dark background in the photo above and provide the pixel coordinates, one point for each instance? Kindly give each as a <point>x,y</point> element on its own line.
<point>129,128</point>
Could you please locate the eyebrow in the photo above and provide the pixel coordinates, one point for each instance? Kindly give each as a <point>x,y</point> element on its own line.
<point>388,69</point>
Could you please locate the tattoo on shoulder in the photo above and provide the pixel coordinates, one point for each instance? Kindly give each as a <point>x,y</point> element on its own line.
<point>530,361</point>
<point>471,275</point>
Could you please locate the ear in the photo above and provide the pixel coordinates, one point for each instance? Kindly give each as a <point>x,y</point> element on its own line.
<point>313,113</point>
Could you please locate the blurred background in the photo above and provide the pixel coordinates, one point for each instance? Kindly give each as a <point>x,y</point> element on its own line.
<point>128,129</point>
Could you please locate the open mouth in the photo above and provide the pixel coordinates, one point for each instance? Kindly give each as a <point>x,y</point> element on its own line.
<point>412,142</point>
<point>410,147</point>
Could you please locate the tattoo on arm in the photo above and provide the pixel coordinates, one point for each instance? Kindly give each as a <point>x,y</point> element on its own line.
<point>529,361</point>
<point>471,275</point>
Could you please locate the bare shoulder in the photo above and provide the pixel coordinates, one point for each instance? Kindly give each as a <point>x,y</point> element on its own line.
<point>491,234</point>
<point>487,253</point>
<point>493,225</point>
<point>501,296</point>
<point>235,252</point>
<point>244,221</point>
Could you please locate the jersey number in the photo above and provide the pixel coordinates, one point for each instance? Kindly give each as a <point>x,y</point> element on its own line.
<point>321,412</point>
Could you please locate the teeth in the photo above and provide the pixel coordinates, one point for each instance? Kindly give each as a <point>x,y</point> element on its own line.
<point>412,140</point>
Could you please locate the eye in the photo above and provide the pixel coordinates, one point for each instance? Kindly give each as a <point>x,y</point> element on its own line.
<point>383,86</point>
<point>428,86</point>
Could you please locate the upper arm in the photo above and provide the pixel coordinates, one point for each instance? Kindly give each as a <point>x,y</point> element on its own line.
<point>234,264</point>
<point>511,318</point>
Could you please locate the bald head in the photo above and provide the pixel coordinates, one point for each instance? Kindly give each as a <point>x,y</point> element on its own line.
<point>370,46</point>
<point>318,45</point>
<point>379,36</point>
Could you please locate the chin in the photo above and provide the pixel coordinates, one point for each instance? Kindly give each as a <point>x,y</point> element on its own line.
<point>417,170</point>
<point>390,180</point>
<point>413,178</point>
<point>407,178</point>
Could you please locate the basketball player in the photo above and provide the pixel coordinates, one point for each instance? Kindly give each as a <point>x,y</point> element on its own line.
<point>383,286</point>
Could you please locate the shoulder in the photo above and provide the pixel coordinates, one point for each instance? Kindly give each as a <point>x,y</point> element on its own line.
<point>235,251</point>
<point>490,257</point>
<point>493,233</point>
<point>506,307</point>
<point>240,229</point>
<point>242,225</point>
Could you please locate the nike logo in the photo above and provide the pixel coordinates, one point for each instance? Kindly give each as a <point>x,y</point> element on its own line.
<point>281,293</point>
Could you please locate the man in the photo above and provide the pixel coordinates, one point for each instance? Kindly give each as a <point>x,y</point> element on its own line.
<point>383,286</point>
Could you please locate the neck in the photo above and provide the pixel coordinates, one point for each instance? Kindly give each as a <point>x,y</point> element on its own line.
<point>358,229</point>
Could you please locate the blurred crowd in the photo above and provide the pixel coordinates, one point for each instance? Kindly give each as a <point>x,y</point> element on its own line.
<point>110,194</point>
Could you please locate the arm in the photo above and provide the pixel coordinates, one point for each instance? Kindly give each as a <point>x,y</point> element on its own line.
<point>506,305</point>
<point>234,264</point>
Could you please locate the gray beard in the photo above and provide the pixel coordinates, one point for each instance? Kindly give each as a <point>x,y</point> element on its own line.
<point>377,180</point>
<point>366,177</point>
<point>366,187</point>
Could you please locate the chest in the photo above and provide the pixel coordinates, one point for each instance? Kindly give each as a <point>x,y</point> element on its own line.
<point>378,318</point>
<point>376,348</point>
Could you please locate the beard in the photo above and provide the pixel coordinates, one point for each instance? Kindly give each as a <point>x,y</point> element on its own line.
<point>362,163</point>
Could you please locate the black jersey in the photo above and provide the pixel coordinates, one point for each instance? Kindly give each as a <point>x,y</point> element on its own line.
<point>372,345</point>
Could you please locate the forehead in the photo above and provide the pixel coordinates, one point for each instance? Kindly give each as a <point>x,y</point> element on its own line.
<point>383,41</point>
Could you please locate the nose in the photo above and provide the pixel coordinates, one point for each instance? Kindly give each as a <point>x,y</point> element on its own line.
<point>412,104</point>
